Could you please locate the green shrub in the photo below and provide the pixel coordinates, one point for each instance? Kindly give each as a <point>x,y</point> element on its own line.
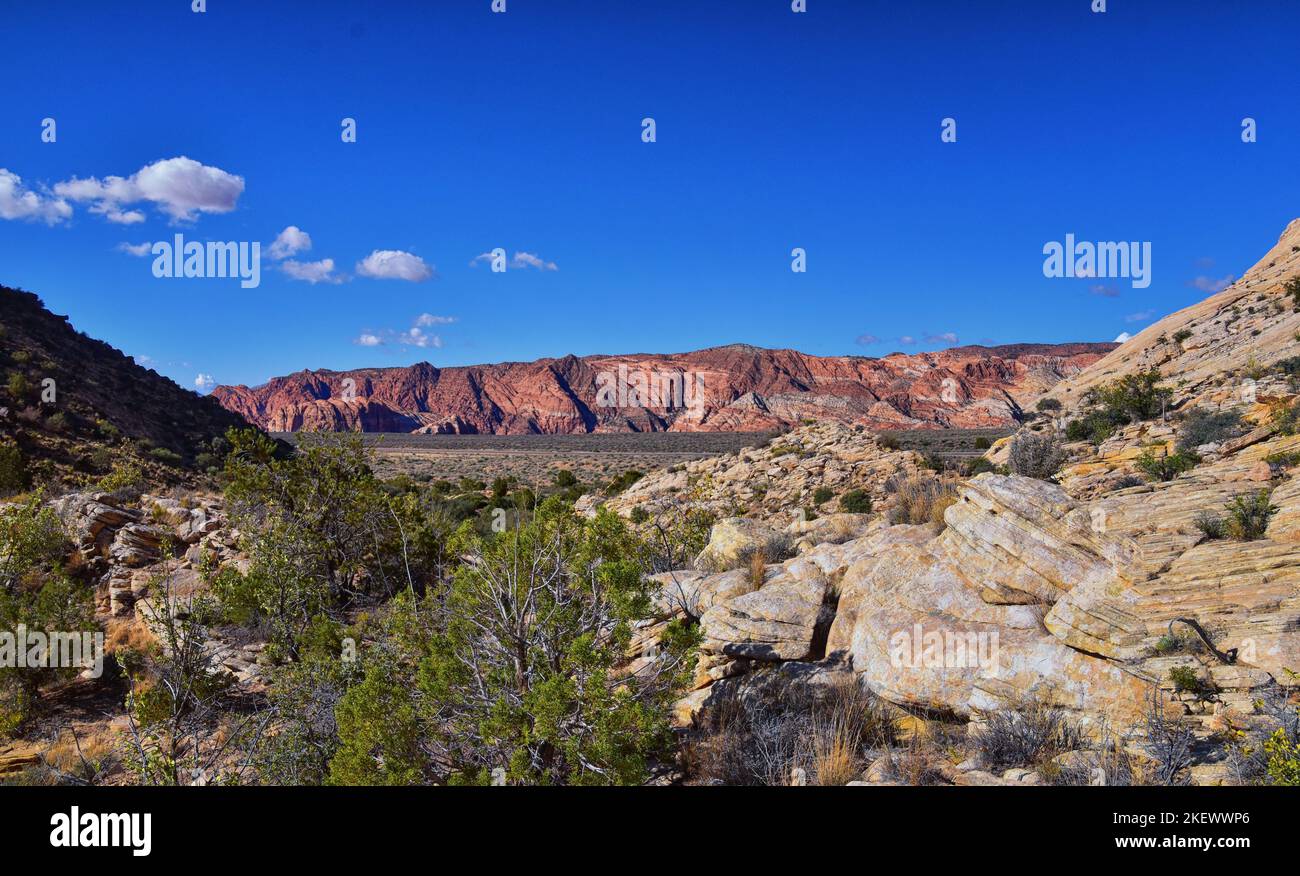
<point>565,478</point>
<point>1293,289</point>
<point>1283,759</point>
<point>856,502</point>
<point>1212,526</point>
<point>165,456</point>
<point>1134,397</point>
<point>1165,468</point>
<point>1182,335</point>
<point>979,465</point>
<point>639,514</point>
<point>1036,455</point>
<point>1248,516</point>
<point>1047,405</point>
<point>823,495</point>
<point>1094,426</point>
<point>13,474</point>
<point>623,481</point>
<point>1186,680</point>
<point>1207,427</point>
<point>19,388</point>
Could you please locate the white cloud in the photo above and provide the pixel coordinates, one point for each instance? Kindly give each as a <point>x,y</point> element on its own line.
<point>204,382</point>
<point>531,260</point>
<point>19,202</point>
<point>907,339</point>
<point>866,340</point>
<point>417,337</point>
<point>391,264</point>
<point>1104,291</point>
<point>1211,285</point>
<point>945,338</point>
<point>1123,337</point>
<point>311,272</point>
<point>290,241</point>
<point>1141,316</point>
<point>135,249</point>
<point>481,257</point>
<point>180,187</point>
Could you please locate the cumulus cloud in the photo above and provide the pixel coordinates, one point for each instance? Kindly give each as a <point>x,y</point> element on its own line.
<point>204,382</point>
<point>418,337</point>
<point>19,202</point>
<point>366,339</point>
<point>182,188</point>
<point>531,260</point>
<point>1123,337</point>
<point>1210,285</point>
<point>135,249</point>
<point>1140,316</point>
<point>290,241</point>
<point>311,272</point>
<point>392,264</point>
<point>866,340</point>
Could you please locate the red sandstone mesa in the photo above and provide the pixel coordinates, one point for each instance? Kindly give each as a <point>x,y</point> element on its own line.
<point>744,389</point>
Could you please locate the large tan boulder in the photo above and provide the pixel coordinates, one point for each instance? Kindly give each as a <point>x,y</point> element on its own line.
<point>734,539</point>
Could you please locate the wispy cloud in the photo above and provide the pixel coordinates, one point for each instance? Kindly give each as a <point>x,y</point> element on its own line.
<point>945,338</point>
<point>531,260</point>
<point>1104,291</point>
<point>311,272</point>
<point>136,249</point>
<point>866,340</point>
<point>907,339</point>
<point>393,264</point>
<point>415,336</point>
<point>1210,285</point>
<point>1140,316</point>
<point>182,188</point>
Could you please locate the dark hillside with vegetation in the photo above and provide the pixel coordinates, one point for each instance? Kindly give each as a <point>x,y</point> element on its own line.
<point>72,407</point>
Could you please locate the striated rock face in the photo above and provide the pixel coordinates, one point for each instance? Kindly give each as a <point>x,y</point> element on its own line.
<point>733,388</point>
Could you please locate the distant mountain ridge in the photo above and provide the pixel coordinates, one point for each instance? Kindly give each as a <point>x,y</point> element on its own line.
<point>730,388</point>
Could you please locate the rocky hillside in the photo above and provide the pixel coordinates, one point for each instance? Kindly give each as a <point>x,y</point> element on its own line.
<point>740,388</point>
<point>1222,342</point>
<point>1150,586</point>
<point>74,406</point>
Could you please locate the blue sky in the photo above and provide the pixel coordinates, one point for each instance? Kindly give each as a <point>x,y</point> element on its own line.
<point>522,130</point>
